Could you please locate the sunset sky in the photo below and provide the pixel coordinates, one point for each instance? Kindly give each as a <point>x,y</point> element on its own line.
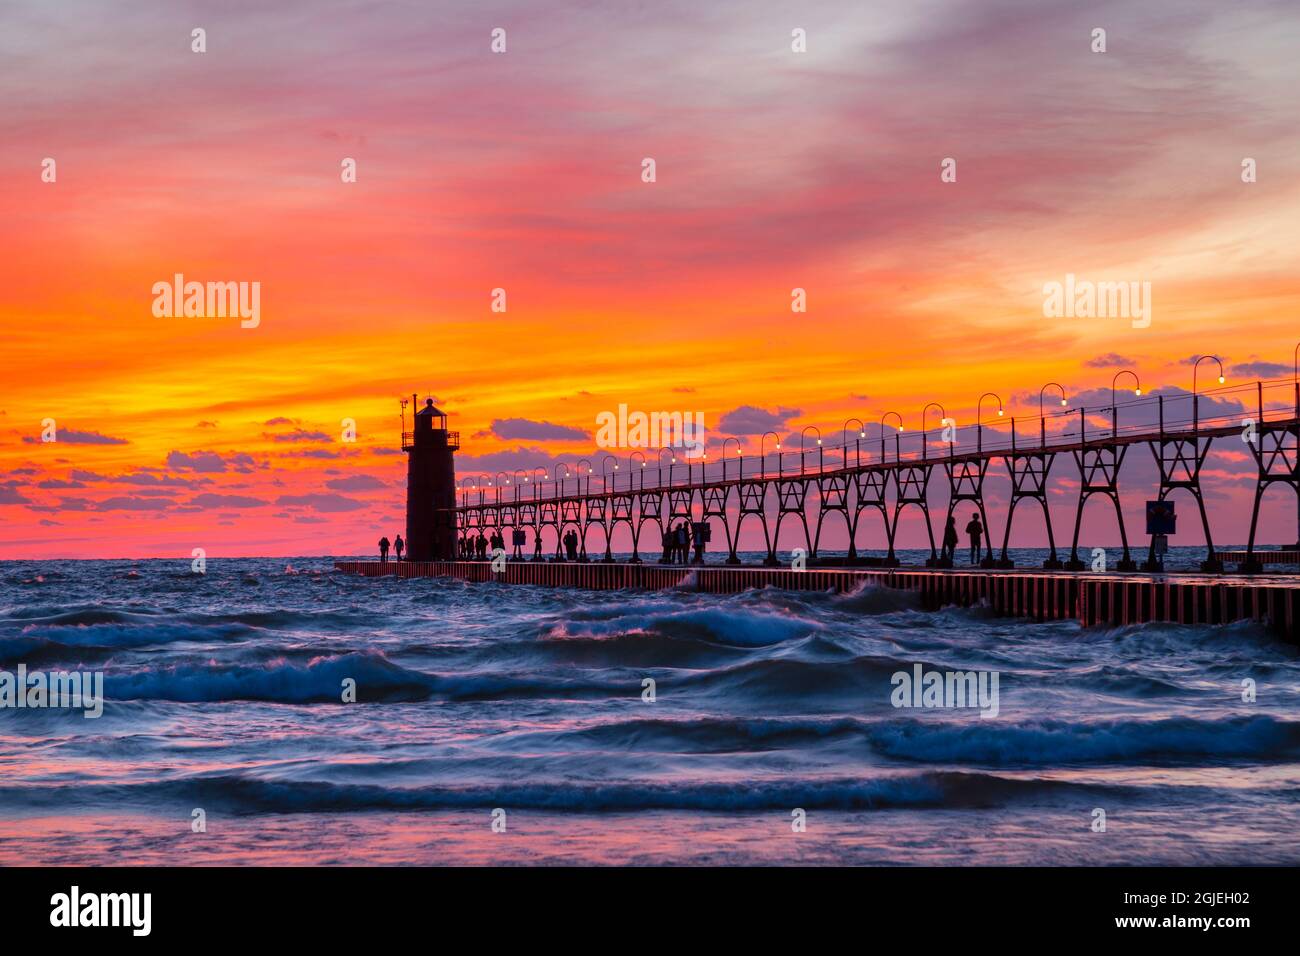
<point>523,171</point>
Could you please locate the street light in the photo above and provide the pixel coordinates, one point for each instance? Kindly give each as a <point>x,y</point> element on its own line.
<point>805,431</point>
<point>844,440</point>
<point>762,452</point>
<point>660,464</point>
<point>882,433</point>
<point>740,454</point>
<point>924,432</point>
<point>1137,386</point>
<point>604,474</point>
<point>1197,364</point>
<point>979,406</point>
<point>1042,416</point>
<point>979,417</point>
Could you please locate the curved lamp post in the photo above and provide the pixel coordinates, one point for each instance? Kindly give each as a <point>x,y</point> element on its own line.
<point>1196,402</point>
<point>1137,385</point>
<point>660,465</point>
<point>925,441</point>
<point>979,417</point>
<point>740,454</point>
<point>896,438</point>
<point>762,453</point>
<point>844,440</point>
<point>806,430</point>
<point>634,471</point>
<point>1042,417</point>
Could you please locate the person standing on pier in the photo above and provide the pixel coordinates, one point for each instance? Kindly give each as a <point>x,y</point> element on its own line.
<point>950,540</point>
<point>383,550</point>
<point>683,541</point>
<point>976,531</point>
<point>668,540</point>
<point>398,547</point>
<point>698,536</point>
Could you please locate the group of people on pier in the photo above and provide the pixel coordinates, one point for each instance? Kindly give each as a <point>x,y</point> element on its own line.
<point>974,528</point>
<point>677,545</point>
<point>481,547</point>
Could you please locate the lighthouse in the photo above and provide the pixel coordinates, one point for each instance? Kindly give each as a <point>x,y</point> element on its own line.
<point>430,486</point>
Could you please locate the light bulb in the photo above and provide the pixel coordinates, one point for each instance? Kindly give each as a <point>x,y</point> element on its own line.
<point>1220,379</point>
<point>1137,391</point>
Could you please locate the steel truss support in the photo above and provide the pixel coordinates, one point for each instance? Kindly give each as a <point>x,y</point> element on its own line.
<point>1099,467</point>
<point>1276,450</point>
<point>1029,473</point>
<point>911,484</point>
<point>791,498</point>
<point>753,496</point>
<point>966,483</point>
<point>833,491</point>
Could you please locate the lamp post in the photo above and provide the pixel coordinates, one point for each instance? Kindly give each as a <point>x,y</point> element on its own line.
<point>762,453</point>
<point>660,465</point>
<point>1042,417</point>
<point>632,471</point>
<point>1196,402</point>
<point>844,441</point>
<point>604,471</point>
<point>896,438</point>
<point>979,417</point>
<point>925,441</point>
<point>1137,386</point>
<point>806,429</point>
<point>740,454</point>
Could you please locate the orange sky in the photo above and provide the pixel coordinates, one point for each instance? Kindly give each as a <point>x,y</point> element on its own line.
<point>522,171</point>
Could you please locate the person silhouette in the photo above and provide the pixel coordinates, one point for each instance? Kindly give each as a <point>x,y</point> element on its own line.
<point>976,531</point>
<point>383,550</point>
<point>950,539</point>
<point>399,546</point>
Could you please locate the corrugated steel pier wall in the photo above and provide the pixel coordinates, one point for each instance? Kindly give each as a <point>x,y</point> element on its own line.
<point>1092,599</point>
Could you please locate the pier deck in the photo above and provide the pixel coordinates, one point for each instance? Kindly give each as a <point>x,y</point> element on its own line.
<point>1093,599</point>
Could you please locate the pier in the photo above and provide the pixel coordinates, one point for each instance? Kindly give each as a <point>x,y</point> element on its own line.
<point>891,475</point>
<point>1093,599</point>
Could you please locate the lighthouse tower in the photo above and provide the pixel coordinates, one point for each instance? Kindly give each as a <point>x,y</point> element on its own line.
<point>430,486</point>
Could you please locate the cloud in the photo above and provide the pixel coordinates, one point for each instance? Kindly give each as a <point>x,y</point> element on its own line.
<point>1110,360</point>
<point>300,434</point>
<point>10,495</point>
<point>211,500</point>
<point>141,478</point>
<point>527,430</point>
<point>70,436</point>
<point>749,420</point>
<point>60,483</point>
<point>126,503</point>
<point>355,483</point>
<point>1257,370</point>
<point>209,462</point>
<point>206,424</point>
<point>321,502</point>
<point>278,421</point>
